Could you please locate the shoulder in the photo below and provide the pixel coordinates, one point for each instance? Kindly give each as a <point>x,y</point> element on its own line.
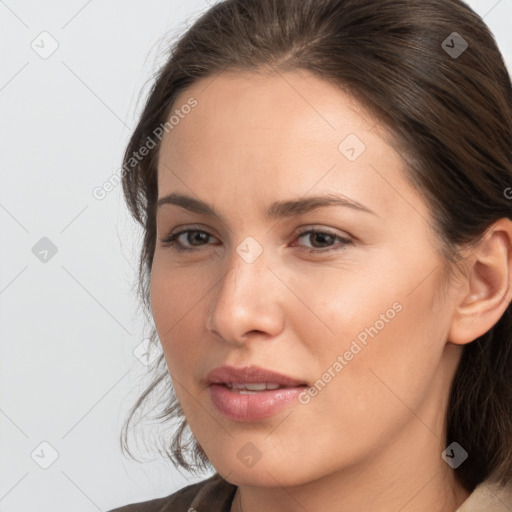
<point>489,496</point>
<point>213,494</point>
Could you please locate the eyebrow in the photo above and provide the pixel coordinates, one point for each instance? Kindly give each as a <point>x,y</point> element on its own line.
<point>276,210</point>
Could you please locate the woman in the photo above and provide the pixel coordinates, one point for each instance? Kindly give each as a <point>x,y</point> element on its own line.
<point>325,188</point>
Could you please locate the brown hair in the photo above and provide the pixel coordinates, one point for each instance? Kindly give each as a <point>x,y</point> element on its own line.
<point>449,109</point>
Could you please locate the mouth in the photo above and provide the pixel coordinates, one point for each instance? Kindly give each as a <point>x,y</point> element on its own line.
<point>257,387</point>
<point>251,378</point>
<point>250,393</point>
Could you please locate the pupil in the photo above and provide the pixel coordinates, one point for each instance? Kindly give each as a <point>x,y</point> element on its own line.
<point>196,237</point>
<point>323,237</point>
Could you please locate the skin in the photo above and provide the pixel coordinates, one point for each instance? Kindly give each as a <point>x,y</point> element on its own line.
<point>371,440</point>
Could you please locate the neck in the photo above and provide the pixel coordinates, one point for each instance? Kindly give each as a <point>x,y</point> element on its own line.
<point>434,495</point>
<point>386,482</point>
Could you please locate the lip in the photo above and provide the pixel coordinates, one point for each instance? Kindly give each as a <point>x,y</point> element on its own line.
<point>250,374</point>
<point>256,406</point>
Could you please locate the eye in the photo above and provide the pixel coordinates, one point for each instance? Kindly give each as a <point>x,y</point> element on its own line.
<point>322,240</point>
<point>179,240</point>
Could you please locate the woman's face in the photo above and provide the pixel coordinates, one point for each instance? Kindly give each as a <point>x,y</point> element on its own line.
<point>362,318</point>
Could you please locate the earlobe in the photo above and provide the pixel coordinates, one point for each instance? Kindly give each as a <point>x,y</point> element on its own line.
<point>487,290</point>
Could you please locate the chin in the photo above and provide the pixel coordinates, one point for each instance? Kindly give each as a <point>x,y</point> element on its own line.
<point>269,474</point>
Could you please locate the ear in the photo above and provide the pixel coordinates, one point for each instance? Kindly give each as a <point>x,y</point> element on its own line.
<point>486,290</point>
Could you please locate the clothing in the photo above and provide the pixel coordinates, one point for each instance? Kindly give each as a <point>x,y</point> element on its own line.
<point>488,497</point>
<point>211,495</point>
<point>216,495</point>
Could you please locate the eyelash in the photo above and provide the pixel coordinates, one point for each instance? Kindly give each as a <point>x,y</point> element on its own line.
<point>172,240</point>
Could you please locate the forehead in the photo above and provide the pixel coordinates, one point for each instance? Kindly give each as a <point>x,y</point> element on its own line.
<point>249,107</point>
<point>281,134</point>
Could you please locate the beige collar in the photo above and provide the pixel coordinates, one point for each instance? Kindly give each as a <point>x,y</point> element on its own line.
<point>488,497</point>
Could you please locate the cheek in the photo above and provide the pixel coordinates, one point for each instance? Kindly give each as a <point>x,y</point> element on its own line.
<point>387,368</point>
<point>340,302</point>
<point>363,333</point>
<point>176,307</point>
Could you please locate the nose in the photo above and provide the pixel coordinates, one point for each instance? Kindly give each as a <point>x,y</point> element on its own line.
<point>246,303</point>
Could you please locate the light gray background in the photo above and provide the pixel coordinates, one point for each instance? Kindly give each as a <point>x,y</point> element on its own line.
<point>69,326</point>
